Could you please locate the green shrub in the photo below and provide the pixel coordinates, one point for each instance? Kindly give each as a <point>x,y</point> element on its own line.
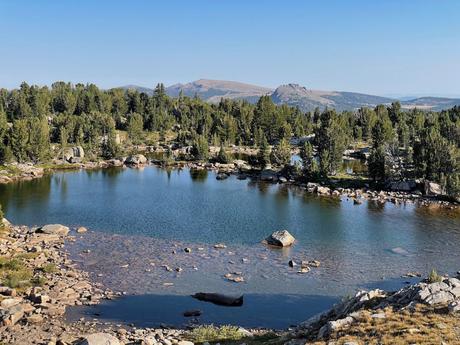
<point>434,277</point>
<point>10,264</point>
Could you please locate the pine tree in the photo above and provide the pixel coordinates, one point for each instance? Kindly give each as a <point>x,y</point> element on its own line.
<point>200,148</point>
<point>309,164</point>
<point>20,140</point>
<point>222,156</point>
<point>263,156</point>
<point>281,154</point>
<point>136,128</point>
<point>39,139</point>
<point>110,148</point>
<point>377,164</point>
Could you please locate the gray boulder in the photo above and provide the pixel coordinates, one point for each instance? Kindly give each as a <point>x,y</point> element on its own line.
<point>10,316</point>
<point>432,189</point>
<point>136,160</point>
<point>281,238</point>
<point>323,190</point>
<point>54,229</point>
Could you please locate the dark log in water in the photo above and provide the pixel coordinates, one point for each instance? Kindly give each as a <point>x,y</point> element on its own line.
<point>219,299</point>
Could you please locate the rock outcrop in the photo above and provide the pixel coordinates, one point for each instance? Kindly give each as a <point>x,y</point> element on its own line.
<point>74,154</point>
<point>444,293</point>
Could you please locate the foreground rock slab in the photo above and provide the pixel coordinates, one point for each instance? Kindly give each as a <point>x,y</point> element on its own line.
<point>99,339</point>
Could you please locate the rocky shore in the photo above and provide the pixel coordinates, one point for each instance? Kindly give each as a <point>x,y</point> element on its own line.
<point>40,282</point>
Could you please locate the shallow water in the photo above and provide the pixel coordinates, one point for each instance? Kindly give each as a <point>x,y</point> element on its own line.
<point>140,217</point>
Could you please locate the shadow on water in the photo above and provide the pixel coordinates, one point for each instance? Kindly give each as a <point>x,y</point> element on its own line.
<point>393,284</point>
<point>258,310</point>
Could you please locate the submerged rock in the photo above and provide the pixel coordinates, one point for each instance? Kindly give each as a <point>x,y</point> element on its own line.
<point>269,175</point>
<point>221,176</point>
<point>192,313</point>
<point>219,299</point>
<point>82,230</point>
<point>281,238</point>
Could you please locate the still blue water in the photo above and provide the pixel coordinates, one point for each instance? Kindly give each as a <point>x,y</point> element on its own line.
<point>197,207</point>
<point>141,216</point>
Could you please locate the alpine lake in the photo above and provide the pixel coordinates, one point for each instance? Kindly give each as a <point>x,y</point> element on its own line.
<point>141,220</point>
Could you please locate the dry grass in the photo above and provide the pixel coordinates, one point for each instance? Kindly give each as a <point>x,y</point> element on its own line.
<point>424,325</point>
<point>211,334</point>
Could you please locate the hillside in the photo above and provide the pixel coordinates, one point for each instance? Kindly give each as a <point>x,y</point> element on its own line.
<point>431,103</point>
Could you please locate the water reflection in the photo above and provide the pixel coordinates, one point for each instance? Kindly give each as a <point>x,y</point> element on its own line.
<point>199,175</point>
<point>20,195</point>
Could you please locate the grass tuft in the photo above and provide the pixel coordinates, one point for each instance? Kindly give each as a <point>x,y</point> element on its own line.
<point>210,333</point>
<point>49,268</point>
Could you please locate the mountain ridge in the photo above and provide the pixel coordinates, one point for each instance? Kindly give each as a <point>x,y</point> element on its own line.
<point>294,95</point>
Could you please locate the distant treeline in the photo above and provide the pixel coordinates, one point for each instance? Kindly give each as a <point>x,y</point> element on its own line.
<point>404,143</point>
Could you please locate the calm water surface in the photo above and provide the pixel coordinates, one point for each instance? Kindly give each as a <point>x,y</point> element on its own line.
<point>141,216</point>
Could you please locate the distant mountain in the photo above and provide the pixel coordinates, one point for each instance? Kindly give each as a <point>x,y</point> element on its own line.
<point>431,103</point>
<point>138,88</point>
<point>307,100</point>
<point>213,90</point>
<point>294,95</point>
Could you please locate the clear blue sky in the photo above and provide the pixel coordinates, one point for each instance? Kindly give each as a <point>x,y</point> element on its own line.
<point>380,47</point>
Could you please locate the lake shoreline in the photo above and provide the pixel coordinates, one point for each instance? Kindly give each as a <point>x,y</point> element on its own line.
<point>331,188</point>
<point>37,310</point>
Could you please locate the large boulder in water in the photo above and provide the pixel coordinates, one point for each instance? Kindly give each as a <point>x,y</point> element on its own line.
<point>136,160</point>
<point>323,190</point>
<point>281,238</point>
<point>99,339</point>
<point>54,229</point>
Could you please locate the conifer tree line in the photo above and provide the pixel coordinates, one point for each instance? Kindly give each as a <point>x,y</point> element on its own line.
<point>404,143</point>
